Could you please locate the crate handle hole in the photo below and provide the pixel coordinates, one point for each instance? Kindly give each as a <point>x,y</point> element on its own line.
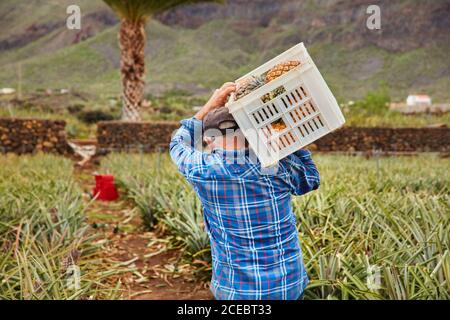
<point>304,91</point>
<point>320,120</point>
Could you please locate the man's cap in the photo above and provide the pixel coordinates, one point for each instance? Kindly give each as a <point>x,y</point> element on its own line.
<point>220,119</point>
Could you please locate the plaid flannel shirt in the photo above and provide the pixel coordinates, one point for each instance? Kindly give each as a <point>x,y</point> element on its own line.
<point>248,216</point>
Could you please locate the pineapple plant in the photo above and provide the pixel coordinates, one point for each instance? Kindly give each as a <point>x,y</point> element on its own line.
<point>281,69</point>
<point>252,83</point>
<point>248,85</point>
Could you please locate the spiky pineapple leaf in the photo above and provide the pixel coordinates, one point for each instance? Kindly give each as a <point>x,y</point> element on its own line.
<point>135,10</point>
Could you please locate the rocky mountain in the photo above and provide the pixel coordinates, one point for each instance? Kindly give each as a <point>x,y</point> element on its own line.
<point>196,47</point>
<point>406,25</point>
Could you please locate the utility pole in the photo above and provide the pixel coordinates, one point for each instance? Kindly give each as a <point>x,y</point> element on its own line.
<point>19,80</point>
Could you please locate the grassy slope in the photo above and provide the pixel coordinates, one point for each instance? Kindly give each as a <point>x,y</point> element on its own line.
<point>207,56</point>
<point>15,21</point>
<point>401,71</point>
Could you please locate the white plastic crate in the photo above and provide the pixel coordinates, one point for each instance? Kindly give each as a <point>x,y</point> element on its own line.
<point>307,107</point>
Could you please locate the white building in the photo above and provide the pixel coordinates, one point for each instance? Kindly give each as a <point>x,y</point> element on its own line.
<point>418,100</point>
<point>7,91</point>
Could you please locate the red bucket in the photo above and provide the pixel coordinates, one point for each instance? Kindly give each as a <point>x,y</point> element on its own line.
<point>105,189</point>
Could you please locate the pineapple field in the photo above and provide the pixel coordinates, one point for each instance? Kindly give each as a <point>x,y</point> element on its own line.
<point>376,229</point>
<point>83,81</point>
<point>390,215</point>
<point>44,236</point>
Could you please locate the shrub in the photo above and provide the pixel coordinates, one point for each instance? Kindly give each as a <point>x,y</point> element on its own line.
<point>91,117</point>
<point>375,102</point>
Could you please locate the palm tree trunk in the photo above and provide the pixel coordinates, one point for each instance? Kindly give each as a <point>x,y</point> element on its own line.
<point>132,67</point>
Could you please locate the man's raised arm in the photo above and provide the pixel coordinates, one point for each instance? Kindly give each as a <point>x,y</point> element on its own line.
<point>183,144</point>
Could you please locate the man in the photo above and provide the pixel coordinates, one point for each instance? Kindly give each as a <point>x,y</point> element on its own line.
<point>247,209</point>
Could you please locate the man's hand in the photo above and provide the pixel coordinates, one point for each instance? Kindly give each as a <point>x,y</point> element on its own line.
<point>218,99</point>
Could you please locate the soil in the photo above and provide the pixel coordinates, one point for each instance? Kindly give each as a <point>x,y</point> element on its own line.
<point>142,262</point>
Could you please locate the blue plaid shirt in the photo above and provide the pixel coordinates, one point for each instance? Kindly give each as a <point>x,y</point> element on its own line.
<point>248,216</point>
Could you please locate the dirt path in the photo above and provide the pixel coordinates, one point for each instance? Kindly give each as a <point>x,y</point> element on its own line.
<point>150,269</point>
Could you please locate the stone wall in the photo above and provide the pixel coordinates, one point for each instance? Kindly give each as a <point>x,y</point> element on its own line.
<point>151,136</point>
<point>31,135</point>
<point>350,139</point>
<point>134,136</point>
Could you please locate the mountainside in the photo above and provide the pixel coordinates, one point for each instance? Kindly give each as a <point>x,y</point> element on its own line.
<point>196,47</point>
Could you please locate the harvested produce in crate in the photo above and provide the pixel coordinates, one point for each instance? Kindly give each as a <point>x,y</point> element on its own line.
<point>279,125</point>
<point>273,94</point>
<point>281,69</point>
<point>252,83</point>
<point>291,80</point>
<point>248,85</point>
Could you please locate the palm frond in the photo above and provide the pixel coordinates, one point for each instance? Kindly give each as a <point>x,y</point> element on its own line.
<point>135,10</point>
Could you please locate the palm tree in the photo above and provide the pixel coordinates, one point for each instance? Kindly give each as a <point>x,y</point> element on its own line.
<point>133,16</point>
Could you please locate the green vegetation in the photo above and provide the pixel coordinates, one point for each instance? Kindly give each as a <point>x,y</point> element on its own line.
<point>173,105</point>
<point>74,127</point>
<point>132,36</point>
<point>79,110</point>
<point>81,115</point>
<point>351,73</point>
<point>176,57</point>
<point>373,111</point>
<point>374,103</point>
<point>43,233</point>
<point>163,196</point>
<point>14,20</point>
<point>388,215</point>
<point>370,111</point>
<point>393,119</point>
<point>181,72</point>
<point>379,218</point>
<point>394,217</point>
